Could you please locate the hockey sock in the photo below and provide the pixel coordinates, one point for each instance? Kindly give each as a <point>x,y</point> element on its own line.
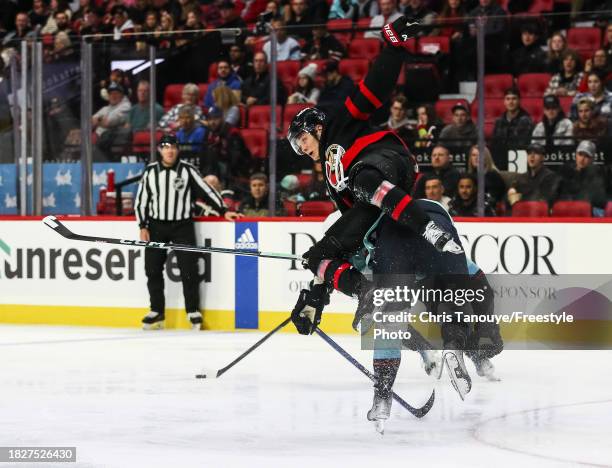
<point>385,371</point>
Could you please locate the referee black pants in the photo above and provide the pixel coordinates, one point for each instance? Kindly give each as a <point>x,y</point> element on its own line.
<point>179,232</point>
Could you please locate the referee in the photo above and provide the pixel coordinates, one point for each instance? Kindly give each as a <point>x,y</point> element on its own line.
<point>164,205</point>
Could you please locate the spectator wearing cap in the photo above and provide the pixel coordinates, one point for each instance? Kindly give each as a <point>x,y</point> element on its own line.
<point>529,57</point>
<point>565,83</point>
<point>109,120</point>
<point>139,117</point>
<point>388,14</point>
<point>397,121</point>
<point>555,129</point>
<point>442,166</point>
<point>191,136</point>
<point>122,23</point>
<point>588,126</point>
<point>189,96</point>
<point>465,202</point>
<point>306,91</point>
<point>323,45</point>
<point>337,87</point>
<point>256,88</point>
<point>434,190</point>
<point>601,97</point>
<point>513,127</point>
<point>226,154</point>
<point>287,48</point>
<point>495,186</point>
<point>583,180</point>
<point>461,132</point>
<point>537,184</point>
<point>225,77</point>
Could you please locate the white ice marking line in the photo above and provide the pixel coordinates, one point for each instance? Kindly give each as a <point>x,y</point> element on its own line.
<point>476,428</point>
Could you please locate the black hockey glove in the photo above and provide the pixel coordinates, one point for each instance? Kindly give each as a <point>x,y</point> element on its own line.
<point>326,248</point>
<point>397,33</point>
<point>306,314</point>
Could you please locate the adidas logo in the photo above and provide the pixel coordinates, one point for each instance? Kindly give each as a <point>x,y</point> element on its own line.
<point>246,240</point>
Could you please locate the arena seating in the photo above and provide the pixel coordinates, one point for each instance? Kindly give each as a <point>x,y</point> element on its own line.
<point>530,209</point>
<point>256,139</point>
<point>571,209</point>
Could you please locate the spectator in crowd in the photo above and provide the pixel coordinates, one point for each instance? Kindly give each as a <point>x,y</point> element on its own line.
<point>191,136</point>
<point>588,126</point>
<point>344,9</point>
<point>388,14</point>
<point>272,7</point>
<point>225,99</point>
<point>239,63</point>
<point>256,88</point>
<point>555,129</point>
<point>62,48</point>
<point>557,45</point>
<point>300,16</point>
<point>441,166</point>
<point>58,21</point>
<point>323,45</point>
<point>428,127</point>
<point>434,190</point>
<point>253,8</point>
<point>189,96</point>
<point>230,17</point>
<point>139,117</point>
<point>22,30</point>
<point>138,11</point>
<point>368,8</point>
<point>495,186</point>
<point>151,25</point>
<point>494,31</point>
<point>513,127</point>
<point>204,209</point>
<point>599,64</point>
<point>256,204</point>
<point>226,155</point>
<point>583,180</point>
<point>608,42</point>
<point>306,91</point>
<point>93,24</point>
<point>122,23</point>
<point>451,20</point>
<point>398,121</point>
<point>462,132</point>
<point>337,87</point>
<point>163,34</point>
<point>529,58</point>
<point>109,120</point>
<point>187,6</point>
<point>601,97</point>
<point>225,77</point>
<point>465,202</point>
<point>39,13</point>
<point>317,189</point>
<point>417,10</point>
<point>287,48</point>
<point>537,184</point>
<point>565,83</point>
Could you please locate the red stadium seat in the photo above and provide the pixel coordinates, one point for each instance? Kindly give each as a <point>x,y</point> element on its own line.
<point>287,71</point>
<point>608,213</point>
<point>584,40</point>
<point>341,29</point>
<point>256,140</point>
<point>530,209</point>
<point>360,25</point>
<point>496,85</point>
<point>290,207</point>
<point>259,117</point>
<point>488,129</point>
<point>534,107</point>
<point>566,104</point>
<point>533,84</point>
<point>140,141</point>
<point>540,6</point>
<point>571,209</point>
<point>494,108</point>
<point>316,208</point>
<point>304,180</point>
<point>355,69</point>
<point>364,48</point>
<point>243,115</point>
<point>172,95</point>
<point>290,111</point>
<point>444,108</point>
<point>434,44</point>
<point>212,72</point>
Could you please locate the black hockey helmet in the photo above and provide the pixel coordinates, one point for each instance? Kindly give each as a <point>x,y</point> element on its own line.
<point>305,121</point>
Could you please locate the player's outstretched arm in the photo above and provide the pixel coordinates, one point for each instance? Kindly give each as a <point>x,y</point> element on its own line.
<point>306,315</point>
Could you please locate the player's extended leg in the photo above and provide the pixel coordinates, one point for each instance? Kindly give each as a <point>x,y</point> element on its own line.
<point>188,264</point>
<point>154,270</point>
<point>386,363</point>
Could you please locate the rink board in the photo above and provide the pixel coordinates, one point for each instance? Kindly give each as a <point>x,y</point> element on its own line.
<point>46,279</point>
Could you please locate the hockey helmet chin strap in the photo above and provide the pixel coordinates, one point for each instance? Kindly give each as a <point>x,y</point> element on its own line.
<point>334,169</point>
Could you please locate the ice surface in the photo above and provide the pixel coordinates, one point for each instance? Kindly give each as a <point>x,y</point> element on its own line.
<point>128,398</point>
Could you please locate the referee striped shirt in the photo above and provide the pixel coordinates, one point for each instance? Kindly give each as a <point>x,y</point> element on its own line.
<point>169,193</point>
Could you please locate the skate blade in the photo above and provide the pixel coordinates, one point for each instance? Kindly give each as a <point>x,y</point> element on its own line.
<point>460,381</point>
<point>379,424</point>
<point>153,326</point>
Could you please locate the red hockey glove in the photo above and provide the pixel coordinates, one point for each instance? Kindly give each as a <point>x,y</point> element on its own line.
<point>397,33</point>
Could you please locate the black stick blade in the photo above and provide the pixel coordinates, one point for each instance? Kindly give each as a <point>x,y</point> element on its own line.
<point>57,226</point>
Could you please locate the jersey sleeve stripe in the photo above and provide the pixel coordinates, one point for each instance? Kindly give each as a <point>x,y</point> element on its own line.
<point>400,207</point>
<point>338,272</point>
<point>369,95</point>
<point>356,113</point>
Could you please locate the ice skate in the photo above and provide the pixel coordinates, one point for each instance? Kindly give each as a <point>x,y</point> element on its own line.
<point>484,368</point>
<point>460,379</point>
<point>153,321</point>
<point>432,362</point>
<point>196,320</point>
<point>380,411</point>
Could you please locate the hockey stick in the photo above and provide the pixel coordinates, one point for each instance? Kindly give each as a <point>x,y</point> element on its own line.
<point>418,412</point>
<point>223,370</point>
<point>61,229</point>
